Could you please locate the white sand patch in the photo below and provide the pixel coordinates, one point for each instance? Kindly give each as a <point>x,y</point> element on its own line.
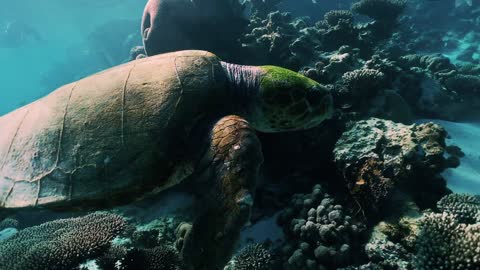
<point>465,178</point>
<point>263,230</point>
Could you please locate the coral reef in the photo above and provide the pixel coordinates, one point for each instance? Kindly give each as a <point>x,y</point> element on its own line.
<point>446,243</point>
<point>334,17</point>
<point>252,257</point>
<point>380,10</point>
<point>465,208</point>
<point>157,258</point>
<point>279,38</point>
<point>465,85</point>
<point>394,67</point>
<point>159,231</point>
<point>319,232</point>
<point>61,244</point>
<point>451,239</point>
<point>374,156</point>
<point>435,87</point>
<point>364,83</point>
<point>261,8</point>
<point>9,223</point>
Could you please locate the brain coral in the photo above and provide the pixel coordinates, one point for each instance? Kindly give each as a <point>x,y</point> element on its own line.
<point>60,244</point>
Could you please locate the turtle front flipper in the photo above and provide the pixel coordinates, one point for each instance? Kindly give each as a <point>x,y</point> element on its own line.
<point>231,164</point>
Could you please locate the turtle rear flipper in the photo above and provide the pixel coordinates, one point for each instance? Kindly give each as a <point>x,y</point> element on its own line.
<point>234,157</point>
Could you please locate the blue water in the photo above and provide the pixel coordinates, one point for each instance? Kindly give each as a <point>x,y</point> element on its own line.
<point>69,45</point>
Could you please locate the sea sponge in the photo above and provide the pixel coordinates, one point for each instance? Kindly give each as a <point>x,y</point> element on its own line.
<point>334,16</point>
<point>380,10</point>
<point>61,244</point>
<point>252,257</point>
<point>465,208</point>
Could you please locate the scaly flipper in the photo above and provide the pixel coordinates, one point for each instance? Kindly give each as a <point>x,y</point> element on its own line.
<point>234,157</point>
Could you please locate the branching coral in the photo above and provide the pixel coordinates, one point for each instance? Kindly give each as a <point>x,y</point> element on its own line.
<point>320,232</point>
<point>252,257</point>
<point>8,223</point>
<point>270,38</point>
<point>60,244</point>
<point>364,82</point>
<point>465,208</point>
<point>445,243</point>
<point>381,10</point>
<point>158,258</point>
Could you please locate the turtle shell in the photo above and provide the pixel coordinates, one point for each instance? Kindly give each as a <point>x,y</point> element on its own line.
<point>116,133</point>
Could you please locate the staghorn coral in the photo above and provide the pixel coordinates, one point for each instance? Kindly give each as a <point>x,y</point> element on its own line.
<point>465,208</point>
<point>445,243</point>
<point>320,233</point>
<point>60,244</point>
<point>333,17</point>
<point>374,156</point>
<point>252,257</point>
<point>380,10</point>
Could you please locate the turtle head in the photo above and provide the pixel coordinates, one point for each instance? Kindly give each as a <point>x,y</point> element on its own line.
<point>289,101</point>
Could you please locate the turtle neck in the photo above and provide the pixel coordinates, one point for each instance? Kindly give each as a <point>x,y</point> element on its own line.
<point>244,83</point>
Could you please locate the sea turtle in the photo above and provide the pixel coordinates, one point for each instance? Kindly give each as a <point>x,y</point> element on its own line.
<point>172,25</point>
<point>145,126</point>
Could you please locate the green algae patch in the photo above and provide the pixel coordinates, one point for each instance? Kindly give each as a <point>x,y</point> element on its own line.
<point>277,77</point>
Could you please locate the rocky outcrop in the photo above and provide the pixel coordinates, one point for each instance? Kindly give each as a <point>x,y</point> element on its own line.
<point>376,156</point>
